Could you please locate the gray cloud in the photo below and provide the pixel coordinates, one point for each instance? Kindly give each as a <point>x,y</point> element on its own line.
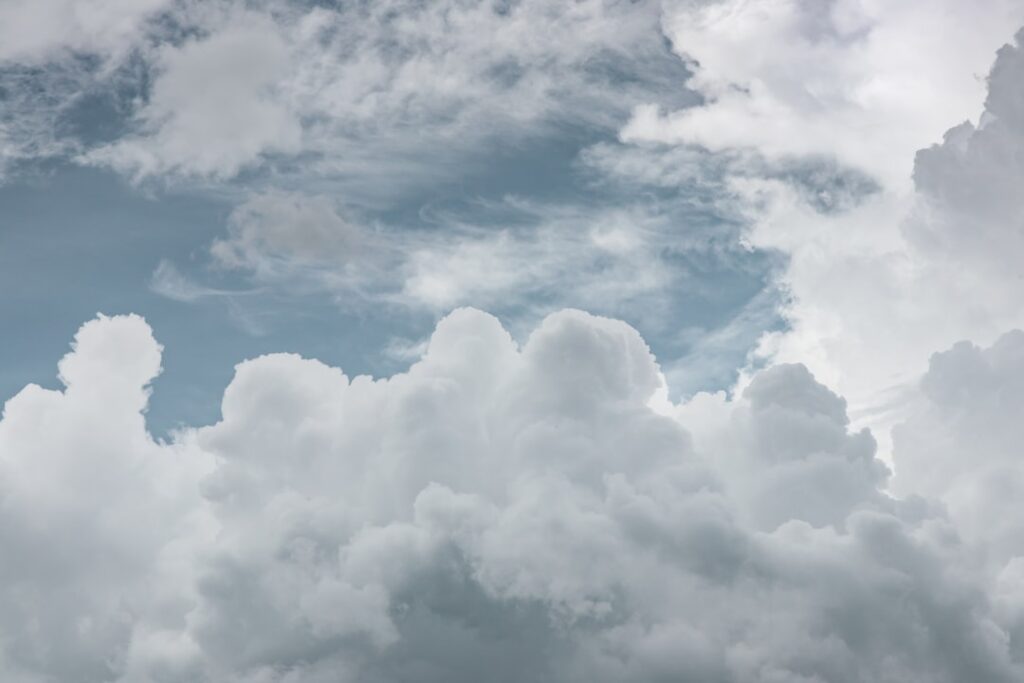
<point>879,279</point>
<point>962,442</point>
<point>535,511</point>
<point>515,513</point>
<point>972,210</point>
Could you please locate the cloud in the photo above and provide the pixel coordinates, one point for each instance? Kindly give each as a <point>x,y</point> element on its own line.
<point>276,231</point>
<point>213,109</point>
<point>491,253</point>
<point>498,505</point>
<point>386,89</point>
<point>594,256</point>
<point>56,55</point>
<point>653,260</point>
<point>862,83</point>
<point>876,288</point>
<point>541,510</point>
<point>961,444</point>
<point>970,211</point>
<point>92,509</point>
<point>40,30</point>
<point>168,281</point>
<point>881,266</point>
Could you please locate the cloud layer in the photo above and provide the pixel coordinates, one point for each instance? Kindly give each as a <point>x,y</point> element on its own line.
<point>540,510</point>
<point>501,511</point>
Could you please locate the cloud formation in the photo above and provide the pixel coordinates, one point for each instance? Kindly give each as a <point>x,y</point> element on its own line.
<point>40,30</point>
<point>911,273</point>
<point>209,90</point>
<point>214,108</point>
<point>882,267</point>
<point>860,82</point>
<point>353,86</point>
<point>540,510</point>
<point>516,512</point>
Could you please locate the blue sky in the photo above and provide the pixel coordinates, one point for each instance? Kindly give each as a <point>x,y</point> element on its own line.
<point>406,341</point>
<point>81,241</point>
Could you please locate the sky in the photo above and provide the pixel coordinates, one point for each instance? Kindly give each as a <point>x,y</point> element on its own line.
<point>515,340</point>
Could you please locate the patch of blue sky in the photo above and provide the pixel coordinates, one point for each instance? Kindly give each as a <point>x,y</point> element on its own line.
<point>76,240</point>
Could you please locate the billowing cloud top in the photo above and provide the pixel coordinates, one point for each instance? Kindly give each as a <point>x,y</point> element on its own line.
<point>504,513</point>
<point>817,201</point>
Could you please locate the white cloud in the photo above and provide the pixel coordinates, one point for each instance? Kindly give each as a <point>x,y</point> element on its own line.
<point>95,512</point>
<point>39,30</point>
<point>496,503</point>
<point>877,287</point>
<point>214,108</point>
<point>860,81</point>
<point>54,54</point>
<point>505,254</point>
<point>27,125</point>
<point>541,511</point>
<point>962,442</point>
<point>276,231</point>
<point>877,277</point>
<point>169,282</point>
<point>380,90</point>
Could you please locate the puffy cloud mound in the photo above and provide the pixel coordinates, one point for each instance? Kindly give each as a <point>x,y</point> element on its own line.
<point>91,508</point>
<point>499,511</point>
<point>962,444</point>
<point>878,284</point>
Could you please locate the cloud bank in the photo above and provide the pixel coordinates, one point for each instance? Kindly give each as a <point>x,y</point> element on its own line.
<point>503,511</point>
<point>541,511</point>
<point>879,287</point>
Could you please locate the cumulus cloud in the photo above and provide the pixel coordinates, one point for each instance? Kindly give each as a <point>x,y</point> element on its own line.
<point>53,55</point>
<point>878,287</point>
<point>501,510</point>
<point>92,507</point>
<point>540,510</point>
<point>864,83</point>
<point>883,266</point>
<point>29,116</point>
<point>962,442</point>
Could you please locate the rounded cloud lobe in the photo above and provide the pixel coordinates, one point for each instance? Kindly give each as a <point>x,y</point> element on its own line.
<point>501,512</point>
<point>877,285</point>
